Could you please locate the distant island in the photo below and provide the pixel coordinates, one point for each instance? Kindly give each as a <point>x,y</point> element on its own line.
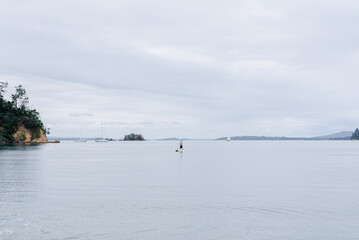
<point>355,135</point>
<point>18,123</point>
<point>134,137</point>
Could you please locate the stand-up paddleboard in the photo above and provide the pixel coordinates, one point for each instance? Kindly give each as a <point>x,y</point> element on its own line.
<point>178,150</point>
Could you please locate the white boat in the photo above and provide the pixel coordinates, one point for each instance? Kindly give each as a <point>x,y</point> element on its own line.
<point>228,139</point>
<point>79,139</point>
<point>101,139</point>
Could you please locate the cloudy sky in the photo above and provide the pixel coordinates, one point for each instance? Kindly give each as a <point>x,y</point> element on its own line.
<point>198,69</point>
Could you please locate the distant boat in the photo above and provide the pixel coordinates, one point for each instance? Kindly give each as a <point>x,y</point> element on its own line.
<point>228,139</point>
<point>80,139</point>
<point>101,139</point>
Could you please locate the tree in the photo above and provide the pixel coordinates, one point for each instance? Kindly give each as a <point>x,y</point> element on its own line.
<point>15,113</point>
<point>355,135</point>
<point>20,99</point>
<point>3,86</point>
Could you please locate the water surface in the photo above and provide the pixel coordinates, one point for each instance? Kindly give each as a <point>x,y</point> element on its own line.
<point>213,190</point>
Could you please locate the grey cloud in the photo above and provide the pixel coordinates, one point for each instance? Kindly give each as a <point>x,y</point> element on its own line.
<point>252,65</point>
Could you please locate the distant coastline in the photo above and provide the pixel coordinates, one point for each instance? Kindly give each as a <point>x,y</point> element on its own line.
<point>343,135</point>
<point>261,138</point>
<point>340,136</point>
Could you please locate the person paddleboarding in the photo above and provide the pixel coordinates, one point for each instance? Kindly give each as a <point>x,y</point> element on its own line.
<point>181,146</point>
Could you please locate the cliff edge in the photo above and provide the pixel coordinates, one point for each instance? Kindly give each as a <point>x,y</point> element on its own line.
<point>24,135</point>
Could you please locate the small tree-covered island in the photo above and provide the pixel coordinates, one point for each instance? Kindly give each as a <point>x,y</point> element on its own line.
<point>18,123</point>
<point>133,137</point>
<point>355,135</point>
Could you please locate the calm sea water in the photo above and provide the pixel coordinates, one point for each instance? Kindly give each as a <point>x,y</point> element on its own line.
<point>213,190</point>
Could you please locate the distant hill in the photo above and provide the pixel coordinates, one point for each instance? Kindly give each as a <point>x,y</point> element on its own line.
<point>74,138</point>
<point>260,138</point>
<point>169,139</point>
<point>344,135</point>
<point>172,139</point>
<point>65,138</point>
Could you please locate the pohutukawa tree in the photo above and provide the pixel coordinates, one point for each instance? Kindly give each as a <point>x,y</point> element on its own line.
<point>19,98</point>
<point>15,113</point>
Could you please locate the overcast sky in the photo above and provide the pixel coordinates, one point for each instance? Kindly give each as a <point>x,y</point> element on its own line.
<point>198,69</point>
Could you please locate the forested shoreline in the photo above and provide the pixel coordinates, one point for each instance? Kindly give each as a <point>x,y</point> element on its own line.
<point>15,114</point>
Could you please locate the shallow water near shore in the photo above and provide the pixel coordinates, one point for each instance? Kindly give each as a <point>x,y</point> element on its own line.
<point>213,190</point>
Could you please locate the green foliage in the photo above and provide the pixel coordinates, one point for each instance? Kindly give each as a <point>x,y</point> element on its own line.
<point>20,98</point>
<point>355,135</point>
<point>16,113</point>
<point>22,137</point>
<point>35,133</point>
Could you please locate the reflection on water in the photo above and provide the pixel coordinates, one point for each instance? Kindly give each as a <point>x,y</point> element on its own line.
<point>213,190</point>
